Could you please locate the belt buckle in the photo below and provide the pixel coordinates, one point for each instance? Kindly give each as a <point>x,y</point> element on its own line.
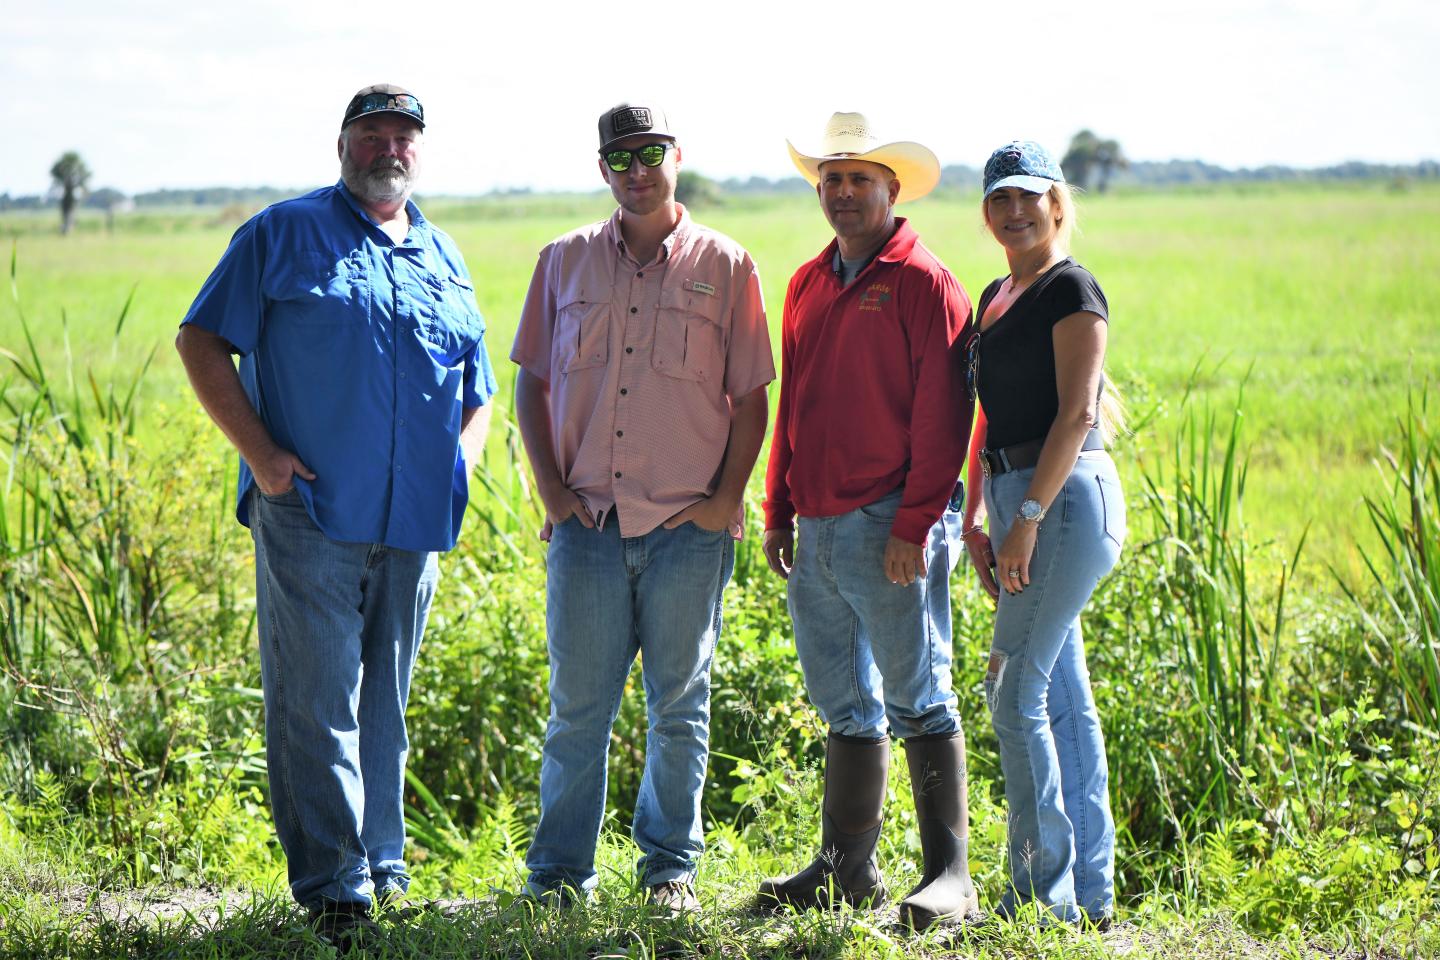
<point>985,462</point>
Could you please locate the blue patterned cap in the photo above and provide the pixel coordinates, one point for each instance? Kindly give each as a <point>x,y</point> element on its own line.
<point>1024,164</point>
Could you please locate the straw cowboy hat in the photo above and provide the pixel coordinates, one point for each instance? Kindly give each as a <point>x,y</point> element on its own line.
<point>848,137</point>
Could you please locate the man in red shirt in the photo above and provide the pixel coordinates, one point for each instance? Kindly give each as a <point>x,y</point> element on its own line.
<point>870,438</point>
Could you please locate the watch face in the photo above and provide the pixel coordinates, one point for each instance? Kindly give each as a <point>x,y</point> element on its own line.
<point>1031,510</point>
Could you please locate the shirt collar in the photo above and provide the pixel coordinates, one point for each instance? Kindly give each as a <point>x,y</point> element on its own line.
<point>901,242</point>
<point>897,248</point>
<point>417,219</point>
<point>667,246</point>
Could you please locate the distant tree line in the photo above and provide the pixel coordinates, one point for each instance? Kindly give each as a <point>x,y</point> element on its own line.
<point>1091,162</point>
<point>1172,172</point>
<point>107,197</point>
<point>1148,173</point>
<point>216,196</point>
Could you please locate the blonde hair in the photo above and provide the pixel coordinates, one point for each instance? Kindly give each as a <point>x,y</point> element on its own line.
<point>1110,411</point>
<point>1062,197</point>
<point>1110,408</point>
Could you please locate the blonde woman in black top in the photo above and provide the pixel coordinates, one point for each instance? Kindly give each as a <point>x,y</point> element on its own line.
<point>1056,524</point>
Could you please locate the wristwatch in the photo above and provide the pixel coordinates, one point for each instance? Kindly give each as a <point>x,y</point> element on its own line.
<point>1030,511</point>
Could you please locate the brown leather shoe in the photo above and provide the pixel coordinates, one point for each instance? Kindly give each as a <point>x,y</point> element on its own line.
<point>344,926</point>
<point>675,897</point>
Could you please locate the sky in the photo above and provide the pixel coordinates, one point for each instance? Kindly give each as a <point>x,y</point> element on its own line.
<point>168,94</point>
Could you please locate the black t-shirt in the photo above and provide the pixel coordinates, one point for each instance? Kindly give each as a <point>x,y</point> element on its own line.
<point>1015,358</point>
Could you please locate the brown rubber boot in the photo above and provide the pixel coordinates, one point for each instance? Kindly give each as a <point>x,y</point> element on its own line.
<point>845,870</point>
<point>937,780</point>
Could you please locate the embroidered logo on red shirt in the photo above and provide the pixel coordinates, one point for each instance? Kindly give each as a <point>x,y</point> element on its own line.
<point>874,295</point>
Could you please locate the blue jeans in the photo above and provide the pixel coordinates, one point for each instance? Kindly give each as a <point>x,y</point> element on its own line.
<point>339,626</point>
<point>875,654</point>
<point>1052,753</point>
<point>609,598</point>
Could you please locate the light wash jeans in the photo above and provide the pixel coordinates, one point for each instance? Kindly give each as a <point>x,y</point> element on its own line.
<point>875,654</point>
<point>339,626</point>
<point>1052,753</point>
<point>609,598</point>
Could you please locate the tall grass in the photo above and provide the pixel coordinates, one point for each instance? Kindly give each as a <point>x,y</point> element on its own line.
<point>116,605</point>
<point>1404,625</point>
<point>1195,638</point>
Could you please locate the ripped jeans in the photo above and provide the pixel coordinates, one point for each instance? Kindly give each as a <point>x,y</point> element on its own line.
<point>1052,753</point>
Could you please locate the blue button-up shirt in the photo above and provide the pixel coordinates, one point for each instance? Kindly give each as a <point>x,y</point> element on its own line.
<point>359,355</point>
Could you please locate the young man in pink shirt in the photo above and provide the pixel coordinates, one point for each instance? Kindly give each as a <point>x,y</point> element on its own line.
<point>644,357</point>
<point>870,438</point>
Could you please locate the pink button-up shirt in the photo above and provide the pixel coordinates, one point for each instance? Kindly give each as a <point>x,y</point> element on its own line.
<point>643,361</point>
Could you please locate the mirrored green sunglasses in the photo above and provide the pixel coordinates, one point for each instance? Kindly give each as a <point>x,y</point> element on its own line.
<point>651,155</point>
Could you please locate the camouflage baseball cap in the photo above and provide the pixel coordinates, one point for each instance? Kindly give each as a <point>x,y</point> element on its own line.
<point>1024,164</point>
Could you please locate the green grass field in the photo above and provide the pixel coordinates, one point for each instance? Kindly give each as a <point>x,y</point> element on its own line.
<point>1327,300</point>
<point>1275,767</point>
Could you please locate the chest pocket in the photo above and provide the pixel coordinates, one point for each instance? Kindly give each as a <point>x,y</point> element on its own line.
<point>324,290</point>
<point>454,325</point>
<point>689,340</point>
<point>582,335</point>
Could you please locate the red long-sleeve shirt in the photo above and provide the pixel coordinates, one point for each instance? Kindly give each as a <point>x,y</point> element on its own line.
<point>872,389</point>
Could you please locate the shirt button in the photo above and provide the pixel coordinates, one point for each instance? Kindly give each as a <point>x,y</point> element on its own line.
<point>402,374</point>
<point>619,433</point>
<point>634,309</point>
<point>640,274</point>
<point>623,391</point>
<point>618,474</point>
<point>399,467</point>
<point>402,423</point>
<point>629,349</point>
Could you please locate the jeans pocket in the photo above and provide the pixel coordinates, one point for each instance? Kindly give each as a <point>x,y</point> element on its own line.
<point>292,494</point>
<point>706,531</point>
<point>884,509</point>
<point>1112,507</point>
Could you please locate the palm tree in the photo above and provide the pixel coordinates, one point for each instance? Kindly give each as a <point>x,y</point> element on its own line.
<point>1090,156</point>
<point>1080,159</point>
<point>70,176</point>
<point>1109,158</point>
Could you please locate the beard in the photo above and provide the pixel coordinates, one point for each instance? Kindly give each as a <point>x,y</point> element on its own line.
<point>644,207</point>
<point>384,181</point>
<point>645,204</point>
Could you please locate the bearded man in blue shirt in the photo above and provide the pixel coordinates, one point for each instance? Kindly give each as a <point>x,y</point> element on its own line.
<point>359,406</point>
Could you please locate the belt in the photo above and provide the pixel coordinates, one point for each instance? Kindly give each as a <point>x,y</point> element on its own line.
<point>1020,456</point>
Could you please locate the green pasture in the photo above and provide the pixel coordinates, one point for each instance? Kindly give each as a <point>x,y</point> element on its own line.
<point>1273,731</point>
<point>1323,301</point>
